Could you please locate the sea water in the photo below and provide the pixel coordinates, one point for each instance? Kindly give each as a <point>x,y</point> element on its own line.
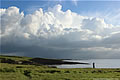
<point>99,63</point>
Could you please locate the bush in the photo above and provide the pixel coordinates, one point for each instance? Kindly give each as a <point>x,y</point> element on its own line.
<point>19,67</point>
<point>49,71</point>
<point>27,73</point>
<point>7,70</point>
<point>67,72</point>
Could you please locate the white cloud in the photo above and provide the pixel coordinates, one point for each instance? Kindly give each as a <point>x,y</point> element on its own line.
<point>56,27</point>
<point>100,49</point>
<point>10,19</point>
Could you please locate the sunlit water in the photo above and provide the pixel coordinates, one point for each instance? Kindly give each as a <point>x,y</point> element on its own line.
<point>99,63</point>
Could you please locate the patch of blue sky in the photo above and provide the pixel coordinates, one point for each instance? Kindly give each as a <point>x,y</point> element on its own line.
<point>103,9</point>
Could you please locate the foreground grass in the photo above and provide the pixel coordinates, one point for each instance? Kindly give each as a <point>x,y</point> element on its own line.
<point>42,72</point>
<point>33,72</point>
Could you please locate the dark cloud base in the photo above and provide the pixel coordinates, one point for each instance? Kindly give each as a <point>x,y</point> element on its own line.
<point>44,52</point>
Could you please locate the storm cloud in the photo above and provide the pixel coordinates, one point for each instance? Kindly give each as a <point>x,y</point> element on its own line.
<point>57,34</point>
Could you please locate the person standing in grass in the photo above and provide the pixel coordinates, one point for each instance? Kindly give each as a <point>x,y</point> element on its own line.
<point>93,65</point>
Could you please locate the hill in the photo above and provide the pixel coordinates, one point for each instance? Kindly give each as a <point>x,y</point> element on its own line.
<point>34,61</point>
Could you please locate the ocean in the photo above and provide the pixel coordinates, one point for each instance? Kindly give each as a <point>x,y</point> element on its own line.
<point>99,63</point>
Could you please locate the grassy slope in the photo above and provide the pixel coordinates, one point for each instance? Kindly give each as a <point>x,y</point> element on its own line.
<point>16,58</point>
<point>33,72</point>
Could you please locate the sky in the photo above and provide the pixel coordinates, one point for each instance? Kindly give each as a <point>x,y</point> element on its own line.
<point>72,29</point>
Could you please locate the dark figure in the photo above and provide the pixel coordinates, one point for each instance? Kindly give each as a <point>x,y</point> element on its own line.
<point>93,65</point>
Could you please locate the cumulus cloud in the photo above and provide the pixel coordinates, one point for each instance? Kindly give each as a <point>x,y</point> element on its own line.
<point>57,33</point>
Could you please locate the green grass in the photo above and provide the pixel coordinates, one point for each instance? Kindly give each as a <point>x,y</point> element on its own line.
<point>32,72</point>
<point>16,58</point>
<point>42,72</point>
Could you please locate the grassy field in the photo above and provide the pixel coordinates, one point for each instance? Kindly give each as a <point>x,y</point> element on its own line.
<point>42,72</point>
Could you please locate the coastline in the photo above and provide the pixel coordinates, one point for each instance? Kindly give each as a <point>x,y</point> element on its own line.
<point>35,61</point>
<point>12,71</point>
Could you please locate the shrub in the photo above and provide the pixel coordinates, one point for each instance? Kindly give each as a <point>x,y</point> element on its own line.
<point>19,66</point>
<point>7,70</point>
<point>67,72</point>
<point>27,73</point>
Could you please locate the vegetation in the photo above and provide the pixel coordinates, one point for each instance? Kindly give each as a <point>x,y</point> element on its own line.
<point>43,72</point>
<point>34,61</point>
